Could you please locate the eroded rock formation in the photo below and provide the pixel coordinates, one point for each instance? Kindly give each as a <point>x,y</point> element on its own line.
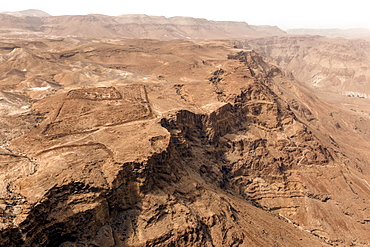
<point>150,143</point>
<point>38,23</point>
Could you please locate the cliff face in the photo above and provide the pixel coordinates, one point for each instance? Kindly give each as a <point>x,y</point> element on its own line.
<point>171,143</point>
<point>338,65</point>
<point>128,26</point>
<point>334,70</point>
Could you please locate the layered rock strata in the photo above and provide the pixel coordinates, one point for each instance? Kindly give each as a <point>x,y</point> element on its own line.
<point>199,148</point>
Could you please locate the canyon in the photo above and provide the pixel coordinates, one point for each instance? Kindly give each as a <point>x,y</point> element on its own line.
<point>258,140</point>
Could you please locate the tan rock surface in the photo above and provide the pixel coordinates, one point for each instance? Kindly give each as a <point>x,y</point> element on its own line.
<point>154,143</point>
<point>334,65</point>
<point>37,23</point>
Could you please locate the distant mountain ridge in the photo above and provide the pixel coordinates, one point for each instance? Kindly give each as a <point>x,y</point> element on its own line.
<point>333,32</point>
<point>28,12</point>
<point>132,26</point>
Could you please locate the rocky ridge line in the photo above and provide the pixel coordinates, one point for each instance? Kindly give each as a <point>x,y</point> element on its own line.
<point>222,173</point>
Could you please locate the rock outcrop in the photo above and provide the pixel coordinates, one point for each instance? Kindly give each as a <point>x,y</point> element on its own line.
<point>330,65</point>
<point>152,143</point>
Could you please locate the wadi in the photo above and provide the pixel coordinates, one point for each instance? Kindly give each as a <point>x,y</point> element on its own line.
<point>140,130</point>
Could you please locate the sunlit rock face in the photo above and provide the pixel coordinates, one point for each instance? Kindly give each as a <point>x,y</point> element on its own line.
<point>24,24</point>
<point>333,65</point>
<point>173,143</point>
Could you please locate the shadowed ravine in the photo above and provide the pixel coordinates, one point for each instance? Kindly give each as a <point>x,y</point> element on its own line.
<point>173,143</point>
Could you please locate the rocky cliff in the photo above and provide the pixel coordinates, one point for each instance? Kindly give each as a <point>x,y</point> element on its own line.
<point>151,143</point>
<point>338,65</point>
<point>37,23</point>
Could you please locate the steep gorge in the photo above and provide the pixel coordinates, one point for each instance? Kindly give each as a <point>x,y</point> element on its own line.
<point>335,65</point>
<point>197,145</point>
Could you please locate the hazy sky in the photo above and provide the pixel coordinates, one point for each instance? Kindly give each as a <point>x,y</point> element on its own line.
<point>282,13</point>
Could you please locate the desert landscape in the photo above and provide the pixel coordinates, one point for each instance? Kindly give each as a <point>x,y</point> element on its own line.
<point>140,130</point>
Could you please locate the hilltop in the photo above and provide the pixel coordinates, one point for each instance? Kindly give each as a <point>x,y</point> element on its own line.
<point>175,138</point>
<point>29,13</point>
<point>128,26</point>
<point>144,142</point>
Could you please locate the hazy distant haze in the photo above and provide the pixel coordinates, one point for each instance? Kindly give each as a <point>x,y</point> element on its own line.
<point>286,14</point>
